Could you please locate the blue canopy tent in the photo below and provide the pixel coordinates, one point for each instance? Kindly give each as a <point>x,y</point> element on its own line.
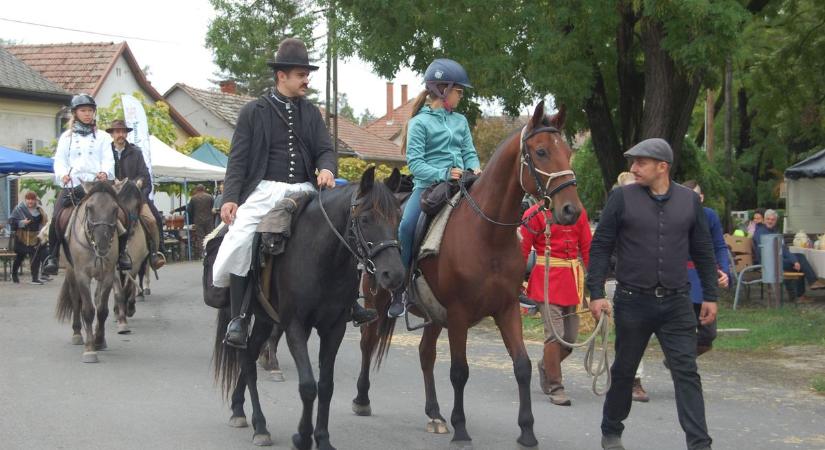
<point>210,155</point>
<point>17,162</point>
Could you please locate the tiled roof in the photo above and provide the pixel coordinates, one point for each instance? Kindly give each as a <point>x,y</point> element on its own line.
<point>226,106</point>
<point>365,144</point>
<point>83,67</point>
<point>390,125</point>
<point>16,76</point>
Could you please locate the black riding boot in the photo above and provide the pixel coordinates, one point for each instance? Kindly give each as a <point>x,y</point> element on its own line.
<point>361,315</point>
<point>237,330</point>
<point>124,262</point>
<point>53,258</point>
<point>398,306</point>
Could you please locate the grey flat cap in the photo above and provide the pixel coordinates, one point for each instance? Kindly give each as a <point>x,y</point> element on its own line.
<point>655,148</point>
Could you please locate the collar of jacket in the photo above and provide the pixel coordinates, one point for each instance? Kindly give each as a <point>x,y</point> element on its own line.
<point>426,109</point>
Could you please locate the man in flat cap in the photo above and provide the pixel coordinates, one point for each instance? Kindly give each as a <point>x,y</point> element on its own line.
<point>656,227</point>
<point>267,163</point>
<point>129,164</point>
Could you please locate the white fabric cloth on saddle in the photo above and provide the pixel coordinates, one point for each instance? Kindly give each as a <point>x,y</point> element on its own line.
<point>235,255</point>
<point>432,240</point>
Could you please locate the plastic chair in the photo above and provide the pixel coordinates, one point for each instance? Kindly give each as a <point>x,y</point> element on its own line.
<point>770,255</point>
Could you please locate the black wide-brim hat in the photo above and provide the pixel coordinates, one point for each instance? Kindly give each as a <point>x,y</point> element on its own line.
<point>291,53</point>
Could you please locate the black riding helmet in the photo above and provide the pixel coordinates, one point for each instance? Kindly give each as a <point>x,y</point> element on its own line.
<point>83,100</point>
<point>445,71</point>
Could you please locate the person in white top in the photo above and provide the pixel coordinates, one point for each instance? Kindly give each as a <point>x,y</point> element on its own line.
<point>83,155</point>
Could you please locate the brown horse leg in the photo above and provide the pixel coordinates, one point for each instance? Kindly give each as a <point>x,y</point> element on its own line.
<point>426,355</point>
<point>69,289</point>
<point>459,374</point>
<point>509,324</point>
<point>260,333</point>
<point>369,339</point>
<point>121,296</point>
<point>330,343</point>
<point>87,312</point>
<point>269,355</point>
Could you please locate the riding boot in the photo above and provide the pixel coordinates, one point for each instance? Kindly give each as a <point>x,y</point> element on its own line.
<point>53,258</point>
<point>552,371</point>
<point>156,258</point>
<point>361,315</point>
<point>237,330</point>
<point>398,306</point>
<point>124,262</point>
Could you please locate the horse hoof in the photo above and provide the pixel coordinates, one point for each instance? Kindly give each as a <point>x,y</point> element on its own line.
<point>277,376</point>
<point>262,440</point>
<point>238,422</point>
<point>461,445</point>
<point>101,346</point>
<point>527,442</point>
<point>299,443</point>
<point>147,292</point>
<point>361,410</point>
<point>122,328</point>
<point>130,310</point>
<point>89,357</point>
<point>437,426</point>
<point>77,339</point>
<point>140,298</point>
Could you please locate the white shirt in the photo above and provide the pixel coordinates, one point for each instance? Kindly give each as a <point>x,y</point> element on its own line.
<point>85,156</point>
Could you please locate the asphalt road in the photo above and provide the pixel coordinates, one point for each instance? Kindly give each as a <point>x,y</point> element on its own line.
<point>153,389</point>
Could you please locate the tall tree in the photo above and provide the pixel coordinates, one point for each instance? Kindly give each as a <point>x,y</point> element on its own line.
<point>245,33</point>
<point>627,71</point>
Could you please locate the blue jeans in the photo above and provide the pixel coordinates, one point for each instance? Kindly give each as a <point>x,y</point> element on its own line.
<point>406,229</point>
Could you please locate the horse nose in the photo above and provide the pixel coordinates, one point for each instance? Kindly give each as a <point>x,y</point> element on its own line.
<point>390,279</point>
<point>570,214</point>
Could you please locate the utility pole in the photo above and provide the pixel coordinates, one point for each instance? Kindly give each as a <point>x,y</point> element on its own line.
<point>728,134</point>
<point>329,68</point>
<point>709,128</point>
<point>333,38</point>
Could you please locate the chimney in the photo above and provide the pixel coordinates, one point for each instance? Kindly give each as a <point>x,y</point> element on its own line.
<point>403,94</point>
<point>229,87</point>
<point>389,100</point>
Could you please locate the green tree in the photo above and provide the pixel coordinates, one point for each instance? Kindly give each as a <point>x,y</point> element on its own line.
<point>245,34</point>
<point>489,132</point>
<point>366,117</point>
<point>626,72</point>
<point>193,143</point>
<point>160,122</point>
<point>344,108</point>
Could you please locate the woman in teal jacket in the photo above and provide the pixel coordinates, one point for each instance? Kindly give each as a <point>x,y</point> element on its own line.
<point>439,147</point>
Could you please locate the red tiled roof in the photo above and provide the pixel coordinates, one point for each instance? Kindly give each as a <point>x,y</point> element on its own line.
<point>226,106</point>
<point>365,144</point>
<point>390,125</point>
<point>82,67</point>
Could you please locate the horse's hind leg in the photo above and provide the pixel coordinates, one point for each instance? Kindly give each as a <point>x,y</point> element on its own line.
<point>238,419</point>
<point>296,338</point>
<point>426,353</point>
<point>260,333</point>
<point>330,343</point>
<point>509,323</point>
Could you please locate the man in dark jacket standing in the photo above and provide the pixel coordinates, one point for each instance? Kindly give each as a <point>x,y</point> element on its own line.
<point>656,227</point>
<point>129,163</point>
<point>199,210</point>
<point>280,146</point>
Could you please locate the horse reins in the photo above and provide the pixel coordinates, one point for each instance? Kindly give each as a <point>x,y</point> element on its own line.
<point>364,250</point>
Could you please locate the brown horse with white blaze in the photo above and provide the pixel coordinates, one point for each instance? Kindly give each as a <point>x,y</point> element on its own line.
<point>479,269</point>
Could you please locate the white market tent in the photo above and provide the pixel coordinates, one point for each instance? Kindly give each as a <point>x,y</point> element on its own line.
<point>170,165</point>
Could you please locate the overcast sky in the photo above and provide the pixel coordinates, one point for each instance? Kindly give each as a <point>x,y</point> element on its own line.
<point>181,55</point>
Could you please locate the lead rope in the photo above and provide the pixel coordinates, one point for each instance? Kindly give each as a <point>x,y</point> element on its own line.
<point>600,332</point>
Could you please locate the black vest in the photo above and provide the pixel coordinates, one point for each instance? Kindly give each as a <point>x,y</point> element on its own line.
<point>285,163</point>
<point>653,245</point>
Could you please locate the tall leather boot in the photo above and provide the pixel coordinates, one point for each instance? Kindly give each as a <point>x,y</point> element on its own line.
<point>238,329</point>
<point>124,261</point>
<point>53,258</point>
<point>552,371</point>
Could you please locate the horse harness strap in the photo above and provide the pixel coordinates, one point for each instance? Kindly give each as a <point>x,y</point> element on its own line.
<point>365,250</point>
<point>544,191</point>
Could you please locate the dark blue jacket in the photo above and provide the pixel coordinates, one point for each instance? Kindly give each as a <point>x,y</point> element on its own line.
<point>788,258</point>
<point>720,250</point>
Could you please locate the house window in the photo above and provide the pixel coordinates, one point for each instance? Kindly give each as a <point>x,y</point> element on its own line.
<point>118,71</point>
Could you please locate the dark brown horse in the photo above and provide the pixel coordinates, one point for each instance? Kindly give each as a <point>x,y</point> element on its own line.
<point>479,269</point>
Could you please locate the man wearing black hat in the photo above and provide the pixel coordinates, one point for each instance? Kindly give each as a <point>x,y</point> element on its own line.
<point>129,163</point>
<point>656,227</point>
<point>280,146</point>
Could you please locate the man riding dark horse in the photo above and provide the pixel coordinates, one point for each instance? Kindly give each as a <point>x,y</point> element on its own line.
<point>83,155</point>
<point>280,147</point>
<point>129,164</point>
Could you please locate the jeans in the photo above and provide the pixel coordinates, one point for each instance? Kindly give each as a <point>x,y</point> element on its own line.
<point>804,267</point>
<point>672,319</point>
<point>406,229</point>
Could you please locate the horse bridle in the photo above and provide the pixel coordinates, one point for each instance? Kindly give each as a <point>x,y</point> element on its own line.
<point>527,160</point>
<point>364,250</point>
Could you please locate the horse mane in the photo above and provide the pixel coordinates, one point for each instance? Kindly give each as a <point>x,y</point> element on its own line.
<point>130,195</point>
<point>99,187</point>
<point>382,201</point>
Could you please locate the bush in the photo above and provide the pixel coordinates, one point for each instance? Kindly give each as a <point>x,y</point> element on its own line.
<point>351,169</point>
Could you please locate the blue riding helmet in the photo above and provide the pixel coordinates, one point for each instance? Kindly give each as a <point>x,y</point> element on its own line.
<point>445,71</point>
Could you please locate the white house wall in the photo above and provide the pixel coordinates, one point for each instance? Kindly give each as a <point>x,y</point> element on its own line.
<point>26,119</point>
<point>806,205</point>
<point>120,80</point>
<point>203,120</point>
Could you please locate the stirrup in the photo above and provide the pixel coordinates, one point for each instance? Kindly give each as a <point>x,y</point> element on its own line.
<point>426,322</point>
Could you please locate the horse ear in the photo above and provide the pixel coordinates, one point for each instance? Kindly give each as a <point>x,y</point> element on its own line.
<point>394,180</point>
<point>558,119</point>
<point>367,180</point>
<point>538,116</point>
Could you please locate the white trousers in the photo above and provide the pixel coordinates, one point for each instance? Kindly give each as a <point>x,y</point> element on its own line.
<point>235,255</point>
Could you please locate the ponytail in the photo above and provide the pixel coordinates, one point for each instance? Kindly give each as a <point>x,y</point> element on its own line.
<point>417,105</point>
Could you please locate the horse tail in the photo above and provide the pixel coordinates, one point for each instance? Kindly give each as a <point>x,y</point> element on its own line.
<point>65,306</point>
<point>386,327</point>
<point>226,361</point>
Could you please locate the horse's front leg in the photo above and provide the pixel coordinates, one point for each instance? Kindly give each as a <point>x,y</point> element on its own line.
<point>296,337</point>
<point>330,343</point>
<point>459,374</point>
<point>269,355</point>
<point>260,333</point>
<point>87,313</point>
<point>509,324</point>
<point>102,292</point>
<point>426,354</point>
